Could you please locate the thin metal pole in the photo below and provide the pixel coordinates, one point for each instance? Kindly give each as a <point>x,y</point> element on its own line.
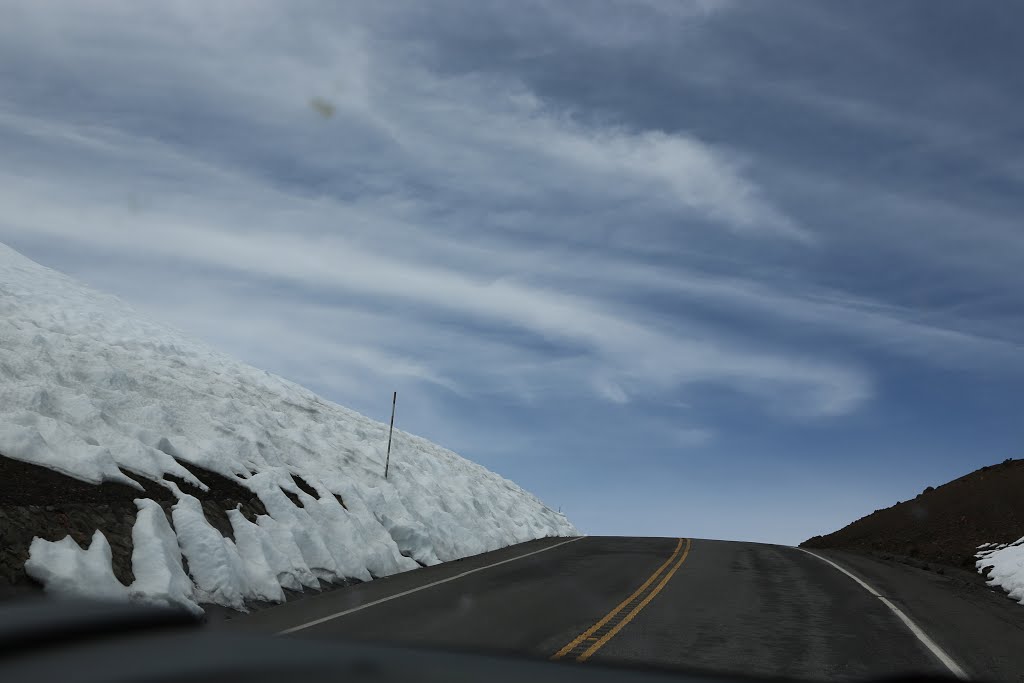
<point>387,463</point>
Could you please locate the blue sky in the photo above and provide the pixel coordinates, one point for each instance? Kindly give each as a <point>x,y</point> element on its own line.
<point>722,269</point>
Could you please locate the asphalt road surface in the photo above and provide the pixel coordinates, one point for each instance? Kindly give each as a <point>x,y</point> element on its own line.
<point>702,605</point>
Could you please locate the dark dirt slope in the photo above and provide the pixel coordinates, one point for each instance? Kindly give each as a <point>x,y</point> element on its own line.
<point>943,525</point>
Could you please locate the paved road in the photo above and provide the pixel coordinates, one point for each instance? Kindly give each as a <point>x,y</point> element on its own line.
<point>691,603</point>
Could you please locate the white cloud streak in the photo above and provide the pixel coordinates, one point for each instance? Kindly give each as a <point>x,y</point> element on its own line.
<point>419,146</point>
<point>637,352</point>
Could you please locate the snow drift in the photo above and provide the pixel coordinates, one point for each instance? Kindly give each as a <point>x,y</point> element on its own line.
<point>1003,564</point>
<point>90,388</point>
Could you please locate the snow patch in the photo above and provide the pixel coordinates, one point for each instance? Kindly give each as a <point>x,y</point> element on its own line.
<point>65,569</point>
<point>213,561</point>
<point>292,571</point>
<point>160,578</point>
<point>1005,566</point>
<point>253,547</point>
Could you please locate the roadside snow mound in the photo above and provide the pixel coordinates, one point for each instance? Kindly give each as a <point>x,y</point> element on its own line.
<point>1007,567</point>
<point>93,390</point>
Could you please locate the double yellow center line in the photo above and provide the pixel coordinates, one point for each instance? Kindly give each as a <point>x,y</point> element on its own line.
<point>583,646</point>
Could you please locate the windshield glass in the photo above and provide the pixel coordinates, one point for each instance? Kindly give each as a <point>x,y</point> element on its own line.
<point>544,328</point>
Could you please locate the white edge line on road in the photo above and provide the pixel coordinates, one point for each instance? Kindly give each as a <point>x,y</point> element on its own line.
<point>329,617</point>
<point>932,646</point>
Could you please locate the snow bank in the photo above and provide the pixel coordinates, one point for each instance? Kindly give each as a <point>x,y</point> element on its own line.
<point>66,569</point>
<point>160,578</point>
<point>92,389</point>
<point>1007,563</point>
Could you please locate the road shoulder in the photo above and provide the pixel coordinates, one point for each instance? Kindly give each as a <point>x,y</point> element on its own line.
<point>980,628</point>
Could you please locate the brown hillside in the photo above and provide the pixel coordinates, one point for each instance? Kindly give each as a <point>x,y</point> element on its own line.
<point>945,524</point>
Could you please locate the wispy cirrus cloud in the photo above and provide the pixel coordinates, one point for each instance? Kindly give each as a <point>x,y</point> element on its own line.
<point>415,145</point>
